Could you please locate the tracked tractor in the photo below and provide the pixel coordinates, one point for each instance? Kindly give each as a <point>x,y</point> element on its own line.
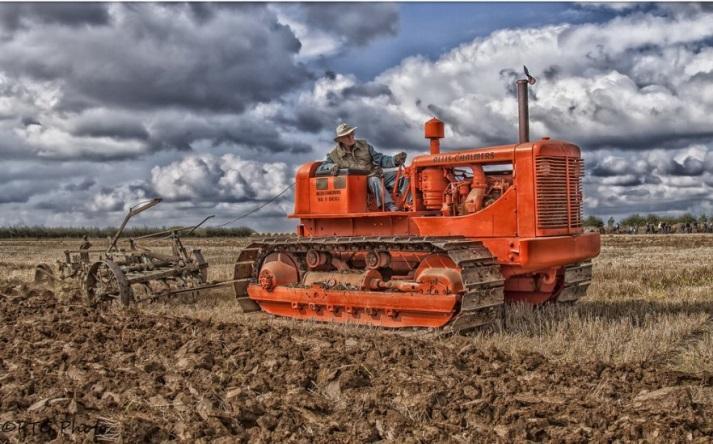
<point>475,229</point>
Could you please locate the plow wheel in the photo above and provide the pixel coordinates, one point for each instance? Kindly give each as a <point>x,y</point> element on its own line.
<point>44,275</point>
<point>106,282</point>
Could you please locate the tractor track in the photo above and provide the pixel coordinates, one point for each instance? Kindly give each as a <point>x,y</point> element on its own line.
<point>481,305</point>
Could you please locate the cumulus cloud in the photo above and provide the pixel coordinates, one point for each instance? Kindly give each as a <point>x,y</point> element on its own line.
<point>371,106</point>
<point>227,178</point>
<point>328,28</point>
<point>158,55</point>
<point>120,198</point>
<point>653,181</point>
<point>613,84</point>
<point>687,162</point>
<point>119,81</point>
<point>23,15</point>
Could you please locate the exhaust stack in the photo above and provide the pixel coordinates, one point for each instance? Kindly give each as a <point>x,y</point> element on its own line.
<point>523,107</point>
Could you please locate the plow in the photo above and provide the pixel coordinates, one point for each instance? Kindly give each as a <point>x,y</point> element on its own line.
<point>134,274</point>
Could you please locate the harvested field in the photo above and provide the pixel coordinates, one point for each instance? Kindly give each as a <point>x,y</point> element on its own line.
<point>632,361</point>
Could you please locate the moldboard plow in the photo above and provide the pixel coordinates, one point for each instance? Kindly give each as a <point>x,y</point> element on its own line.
<point>135,274</point>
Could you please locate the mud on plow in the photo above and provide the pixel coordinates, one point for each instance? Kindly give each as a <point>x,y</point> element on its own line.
<point>129,272</point>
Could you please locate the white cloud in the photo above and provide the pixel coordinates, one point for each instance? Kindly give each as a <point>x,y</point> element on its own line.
<point>326,29</point>
<point>121,198</point>
<point>217,179</point>
<point>634,81</point>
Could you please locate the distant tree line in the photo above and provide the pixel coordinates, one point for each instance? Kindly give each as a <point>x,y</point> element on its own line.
<point>652,224</point>
<point>39,232</point>
<point>637,220</point>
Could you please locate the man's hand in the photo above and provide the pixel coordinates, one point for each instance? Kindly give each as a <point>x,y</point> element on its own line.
<point>400,158</point>
<point>334,170</point>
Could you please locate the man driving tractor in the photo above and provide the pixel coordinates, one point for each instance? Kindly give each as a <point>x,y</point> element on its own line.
<point>350,152</point>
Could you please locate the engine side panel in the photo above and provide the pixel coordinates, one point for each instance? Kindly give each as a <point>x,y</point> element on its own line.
<point>489,222</point>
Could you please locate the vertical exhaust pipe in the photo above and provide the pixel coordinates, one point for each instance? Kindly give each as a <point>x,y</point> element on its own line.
<point>523,107</point>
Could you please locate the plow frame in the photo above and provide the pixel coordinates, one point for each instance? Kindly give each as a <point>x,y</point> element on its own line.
<point>135,274</point>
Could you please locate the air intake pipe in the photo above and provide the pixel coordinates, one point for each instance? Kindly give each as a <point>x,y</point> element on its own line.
<point>523,107</point>
<point>434,130</point>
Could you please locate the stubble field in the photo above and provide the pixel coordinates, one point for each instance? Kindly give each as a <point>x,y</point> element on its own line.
<point>631,361</point>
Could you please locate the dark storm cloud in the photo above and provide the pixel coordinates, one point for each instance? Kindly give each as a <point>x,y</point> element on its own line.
<point>629,180</point>
<point>33,171</point>
<point>22,190</point>
<point>628,140</point>
<point>650,179</point>
<point>172,132</point>
<point>105,126</point>
<point>358,22</point>
<point>261,138</point>
<point>59,205</point>
<point>149,77</point>
<point>16,15</point>
<point>650,206</point>
<point>160,55</point>
<point>626,171</point>
<point>83,185</point>
<point>314,120</point>
<point>307,121</point>
<point>600,170</point>
<point>600,175</point>
<point>690,167</point>
<point>552,72</point>
<point>382,130</point>
<point>27,121</point>
<point>366,90</point>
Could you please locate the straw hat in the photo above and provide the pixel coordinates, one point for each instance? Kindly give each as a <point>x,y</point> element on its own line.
<point>343,129</point>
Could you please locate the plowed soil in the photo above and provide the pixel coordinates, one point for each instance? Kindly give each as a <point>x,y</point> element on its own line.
<point>71,372</point>
<point>630,362</point>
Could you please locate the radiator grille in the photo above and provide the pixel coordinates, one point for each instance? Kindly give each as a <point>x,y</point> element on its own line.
<point>559,192</point>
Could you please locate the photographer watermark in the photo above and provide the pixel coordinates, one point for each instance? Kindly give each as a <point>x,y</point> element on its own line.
<point>103,429</point>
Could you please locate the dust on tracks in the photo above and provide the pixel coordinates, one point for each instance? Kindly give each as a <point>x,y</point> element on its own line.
<point>150,378</point>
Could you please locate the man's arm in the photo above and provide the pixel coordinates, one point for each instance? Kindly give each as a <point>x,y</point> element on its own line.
<point>381,160</point>
<point>386,161</point>
<point>327,167</point>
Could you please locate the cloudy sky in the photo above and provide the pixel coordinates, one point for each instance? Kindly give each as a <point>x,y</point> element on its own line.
<point>213,106</point>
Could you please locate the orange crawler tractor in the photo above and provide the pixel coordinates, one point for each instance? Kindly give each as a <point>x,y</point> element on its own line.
<point>476,228</point>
